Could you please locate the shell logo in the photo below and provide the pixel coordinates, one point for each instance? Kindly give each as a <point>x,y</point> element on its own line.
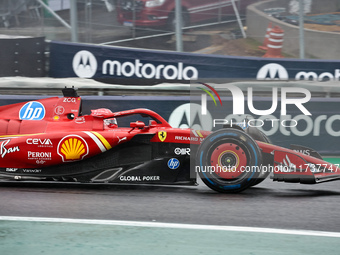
<point>72,148</point>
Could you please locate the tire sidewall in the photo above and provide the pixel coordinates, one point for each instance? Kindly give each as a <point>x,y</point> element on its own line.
<point>253,153</point>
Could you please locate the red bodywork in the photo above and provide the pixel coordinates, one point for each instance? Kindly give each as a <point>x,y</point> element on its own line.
<point>290,165</point>
<point>45,133</point>
<point>62,135</point>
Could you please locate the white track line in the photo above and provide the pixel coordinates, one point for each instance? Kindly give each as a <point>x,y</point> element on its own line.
<point>175,226</point>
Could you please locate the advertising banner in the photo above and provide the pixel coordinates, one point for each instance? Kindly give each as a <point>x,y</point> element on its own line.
<point>106,62</point>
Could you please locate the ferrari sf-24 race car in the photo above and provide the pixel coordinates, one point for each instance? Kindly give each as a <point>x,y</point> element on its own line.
<point>51,140</point>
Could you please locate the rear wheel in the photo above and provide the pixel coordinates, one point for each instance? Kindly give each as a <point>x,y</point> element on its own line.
<point>228,161</point>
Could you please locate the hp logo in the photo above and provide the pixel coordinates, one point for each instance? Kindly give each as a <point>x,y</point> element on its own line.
<point>173,163</point>
<point>32,111</point>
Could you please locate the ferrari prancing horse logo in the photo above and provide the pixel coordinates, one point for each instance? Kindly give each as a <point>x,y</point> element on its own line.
<point>162,135</point>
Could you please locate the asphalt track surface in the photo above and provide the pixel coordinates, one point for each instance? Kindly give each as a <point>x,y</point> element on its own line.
<point>268,205</point>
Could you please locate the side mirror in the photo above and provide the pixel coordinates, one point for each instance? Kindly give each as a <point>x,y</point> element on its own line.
<point>152,123</point>
<point>137,124</point>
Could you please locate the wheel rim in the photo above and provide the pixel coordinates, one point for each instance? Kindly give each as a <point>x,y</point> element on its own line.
<point>228,161</point>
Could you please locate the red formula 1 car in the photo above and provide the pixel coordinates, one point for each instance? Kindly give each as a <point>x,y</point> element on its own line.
<point>50,140</point>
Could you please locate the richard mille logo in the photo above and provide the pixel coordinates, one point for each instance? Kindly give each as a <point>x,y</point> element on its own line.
<point>84,64</point>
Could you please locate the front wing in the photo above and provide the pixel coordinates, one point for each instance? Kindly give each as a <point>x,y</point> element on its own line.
<point>292,166</point>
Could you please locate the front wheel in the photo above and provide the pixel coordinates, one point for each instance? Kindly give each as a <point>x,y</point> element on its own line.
<point>258,135</point>
<point>228,161</point>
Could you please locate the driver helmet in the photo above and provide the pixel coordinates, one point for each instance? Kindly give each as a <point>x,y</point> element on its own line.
<point>111,123</point>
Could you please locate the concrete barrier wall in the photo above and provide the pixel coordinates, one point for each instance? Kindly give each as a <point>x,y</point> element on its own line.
<point>318,44</point>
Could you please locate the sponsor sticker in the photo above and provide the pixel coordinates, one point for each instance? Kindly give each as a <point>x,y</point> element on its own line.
<point>59,110</point>
<point>173,163</point>
<point>32,111</point>
<point>72,148</point>
<point>145,178</point>
<point>11,169</point>
<point>182,151</point>
<point>39,142</point>
<point>79,120</point>
<point>5,149</point>
<point>69,100</point>
<point>39,155</point>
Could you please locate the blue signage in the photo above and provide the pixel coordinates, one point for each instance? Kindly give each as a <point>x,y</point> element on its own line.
<point>107,62</point>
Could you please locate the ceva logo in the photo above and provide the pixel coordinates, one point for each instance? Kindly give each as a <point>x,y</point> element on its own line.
<point>84,64</point>
<point>32,111</point>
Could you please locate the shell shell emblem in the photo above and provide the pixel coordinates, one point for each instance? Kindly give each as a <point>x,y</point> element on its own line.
<point>72,148</point>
